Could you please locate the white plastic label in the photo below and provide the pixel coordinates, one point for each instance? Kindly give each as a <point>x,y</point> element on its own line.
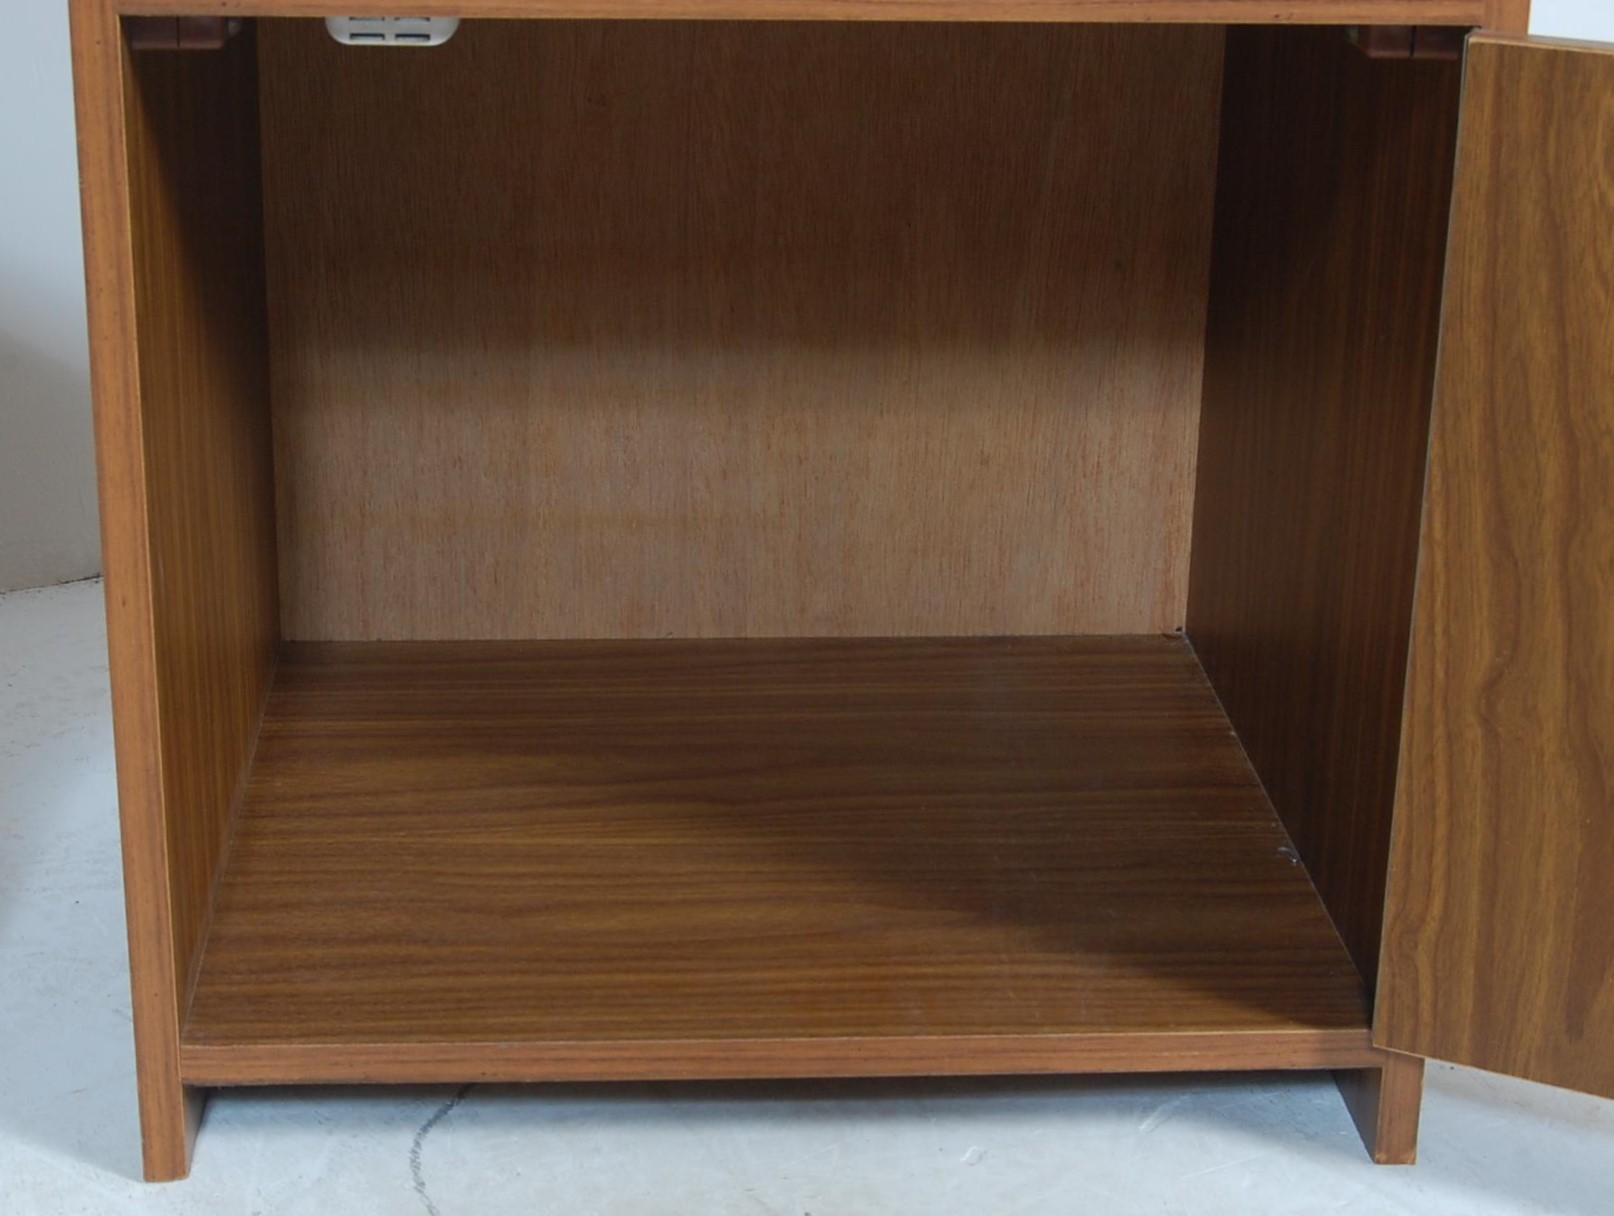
<point>392,31</point>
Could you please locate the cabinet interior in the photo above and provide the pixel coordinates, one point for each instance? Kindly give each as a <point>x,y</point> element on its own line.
<point>713,549</point>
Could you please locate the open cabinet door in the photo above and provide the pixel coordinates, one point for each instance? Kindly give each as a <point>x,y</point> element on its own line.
<point>1499,936</point>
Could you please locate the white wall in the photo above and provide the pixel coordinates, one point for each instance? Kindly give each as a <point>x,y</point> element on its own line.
<point>48,530</point>
<point>1587,19</point>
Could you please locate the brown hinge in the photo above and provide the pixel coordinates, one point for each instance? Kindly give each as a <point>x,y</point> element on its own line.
<point>179,33</point>
<point>1409,41</point>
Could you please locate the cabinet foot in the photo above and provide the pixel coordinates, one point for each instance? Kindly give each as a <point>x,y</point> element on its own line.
<point>1385,1103</point>
<point>169,1117</point>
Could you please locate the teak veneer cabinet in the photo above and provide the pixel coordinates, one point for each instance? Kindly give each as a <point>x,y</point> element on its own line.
<point>1034,536</point>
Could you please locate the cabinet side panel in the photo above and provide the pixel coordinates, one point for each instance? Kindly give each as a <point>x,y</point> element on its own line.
<point>173,261</point>
<point>178,357</point>
<point>1499,945</point>
<point>648,329</point>
<point>196,208</point>
<point>98,71</point>
<point>1334,187</point>
<point>197,226</point>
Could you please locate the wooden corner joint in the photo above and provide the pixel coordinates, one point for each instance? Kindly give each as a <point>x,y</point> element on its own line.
<point>1409,41</point>
<point>179,33</point>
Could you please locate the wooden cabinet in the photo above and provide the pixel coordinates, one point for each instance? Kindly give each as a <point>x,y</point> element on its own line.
<point>724,548</point>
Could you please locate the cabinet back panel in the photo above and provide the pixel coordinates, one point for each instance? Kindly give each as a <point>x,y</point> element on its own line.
<point>631,330</point>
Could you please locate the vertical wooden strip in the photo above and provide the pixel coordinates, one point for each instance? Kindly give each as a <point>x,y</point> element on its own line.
<point>1386,1104</point>
<point>1507,16</point>
<point>173,234</point>
<point>167,1115</point>
<point>1499,940</point>
<point>1325,301</point>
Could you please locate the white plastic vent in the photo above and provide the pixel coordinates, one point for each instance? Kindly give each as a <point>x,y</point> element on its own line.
<point>392,31</point>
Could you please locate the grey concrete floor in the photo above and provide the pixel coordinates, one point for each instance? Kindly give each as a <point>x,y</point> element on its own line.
<point>68,1143</point>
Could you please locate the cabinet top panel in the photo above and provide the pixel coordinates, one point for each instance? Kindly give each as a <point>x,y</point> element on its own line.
<point>1321,12</point>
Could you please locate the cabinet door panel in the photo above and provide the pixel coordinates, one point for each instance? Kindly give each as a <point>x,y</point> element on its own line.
<point>1499,936</point>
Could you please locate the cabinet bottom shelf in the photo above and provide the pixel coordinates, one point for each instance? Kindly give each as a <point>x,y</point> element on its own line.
<point>717,859</point>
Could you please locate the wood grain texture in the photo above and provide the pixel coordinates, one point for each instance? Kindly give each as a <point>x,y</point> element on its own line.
<point>737,858</point>
<point>168,1113</point>
<point>1315,12</point>
<point>452,1063</point>
<point>1499,948</point>
<point>1325,300</point>
<point>173,259</point>
<point>1507,16</point>
<point>205,434</point>
<point>725,330</point>
<point>1386,1103</point>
